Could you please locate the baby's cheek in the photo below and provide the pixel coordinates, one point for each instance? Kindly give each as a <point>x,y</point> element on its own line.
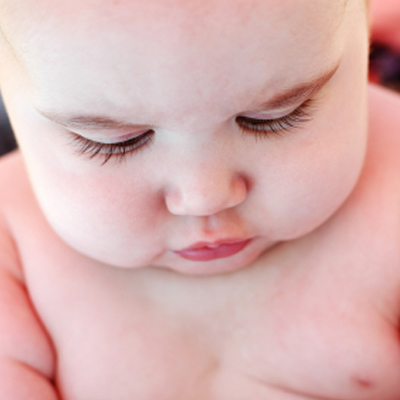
<point>88,210</point>
<point>312,189</point>
<point>331,183</point>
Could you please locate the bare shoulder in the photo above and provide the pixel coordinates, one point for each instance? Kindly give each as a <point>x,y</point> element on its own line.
<point>9,199</point>
<point>17,201</point>
<point>13,179</point>
<point>12,195</point>
<point>26,355</point>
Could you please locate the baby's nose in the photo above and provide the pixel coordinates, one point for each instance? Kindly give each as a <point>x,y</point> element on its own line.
<point>205,192</point>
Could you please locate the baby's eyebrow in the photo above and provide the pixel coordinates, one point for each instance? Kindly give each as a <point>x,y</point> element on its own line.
<point>283,99</point>
<point>83,121</point>
<point>299,92</point>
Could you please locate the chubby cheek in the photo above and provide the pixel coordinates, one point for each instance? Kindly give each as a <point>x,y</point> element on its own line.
<point>309,180</point>
<point>324,181</point>
<point>321,172</point>
<point>105,215</point>
<point>323,191</point>
<point>99,211</point>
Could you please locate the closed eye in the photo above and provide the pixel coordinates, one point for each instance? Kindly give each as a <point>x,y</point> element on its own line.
<point>109,150</point>
<point>268,127</point>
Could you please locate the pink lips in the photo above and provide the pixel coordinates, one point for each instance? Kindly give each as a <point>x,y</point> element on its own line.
<point>212,251</point>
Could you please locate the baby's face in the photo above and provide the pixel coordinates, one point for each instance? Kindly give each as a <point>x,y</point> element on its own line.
<point>150,128</point>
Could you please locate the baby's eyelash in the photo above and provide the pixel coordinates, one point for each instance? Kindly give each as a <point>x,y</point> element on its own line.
<point>258,127</point>
<point>266,127</point>
<point>108,150</point>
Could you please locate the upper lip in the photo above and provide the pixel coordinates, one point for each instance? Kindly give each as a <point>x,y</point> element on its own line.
<point>216,243</point>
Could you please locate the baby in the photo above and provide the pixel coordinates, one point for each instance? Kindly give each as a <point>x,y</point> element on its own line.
<point>201,208</point>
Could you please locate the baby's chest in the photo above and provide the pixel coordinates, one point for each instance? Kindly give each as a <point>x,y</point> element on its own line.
<point>284,336</point>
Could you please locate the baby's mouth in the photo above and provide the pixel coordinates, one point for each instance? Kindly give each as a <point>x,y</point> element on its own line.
<point>204,251</point>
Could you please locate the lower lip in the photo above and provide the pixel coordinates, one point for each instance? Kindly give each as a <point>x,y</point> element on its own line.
<point>210,253</point>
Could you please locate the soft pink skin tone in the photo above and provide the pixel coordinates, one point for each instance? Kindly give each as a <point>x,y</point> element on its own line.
<point>201,179</point>
<point>310,309</point>
<point>313,318</point>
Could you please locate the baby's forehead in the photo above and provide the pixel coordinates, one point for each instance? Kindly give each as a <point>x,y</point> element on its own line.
<point>35,28</point>
<point>192,14</point>
<point>212,46</point>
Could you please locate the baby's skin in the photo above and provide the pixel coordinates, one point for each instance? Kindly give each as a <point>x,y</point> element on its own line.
<point>108,290</point>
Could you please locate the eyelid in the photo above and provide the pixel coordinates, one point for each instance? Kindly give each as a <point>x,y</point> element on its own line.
<point>271,115</point>
<point>277,126</point>
<point>289,102</point>
<point>109,137</point>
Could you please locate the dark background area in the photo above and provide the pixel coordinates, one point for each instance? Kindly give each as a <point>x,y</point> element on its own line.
<point>385,66</point>
<point>7,142</point>
<point>384,69</point>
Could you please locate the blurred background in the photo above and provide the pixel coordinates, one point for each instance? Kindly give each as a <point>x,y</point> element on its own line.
<point>7,142</point>
<point>384,59</point>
